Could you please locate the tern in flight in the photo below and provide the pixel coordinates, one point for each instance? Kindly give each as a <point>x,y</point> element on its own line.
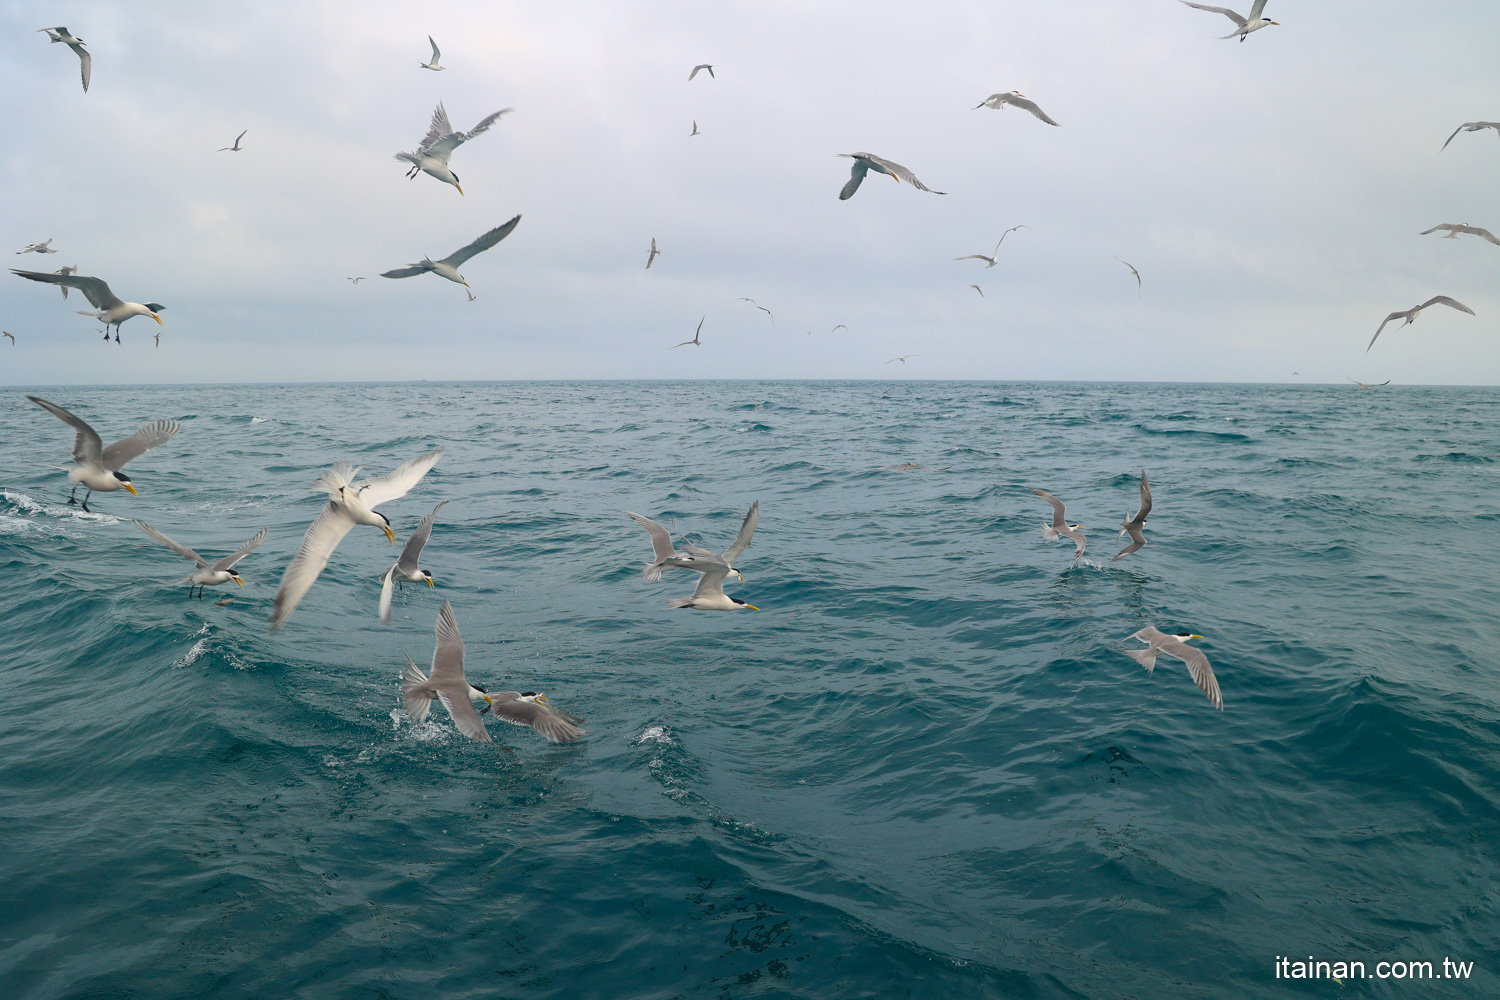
<point>85,61</point>
<point>1410,314</point>
<point>865,162</point>
<point>903,358</point>
<point>1455,228</point>
<point>978,289</point>
<point>758,306</point>
<point>697,68</point>
<point>70,269</point>
<point>439,143</point>
<point>1371,388</point>
<point>449,265</point>
<point>347,506</point>
<point>207,574</point>
<point>1017,99</point>
<point>993,258</point>
<point>695,129</point>
<point>236,147</point>
<point>1134,272</point>
<point>709,594</point>
<point>652,254</point>
<point>43,247</point>
<point>98,468</point>
<point>1472,127</point>
<point>838,328</point>
<point>1158,642</point>
<point>405,569</point>
<point>692,557</point>
<point>1244,25</point>
<point>446,682</point>
<point>12,337</point>
<point>695,341</point>
<point>1132,525</point>
<point>108,308</point>
<point>355,280</point>
<point>436,55</point>
<point>1060,526</point>
<point>158,338</point>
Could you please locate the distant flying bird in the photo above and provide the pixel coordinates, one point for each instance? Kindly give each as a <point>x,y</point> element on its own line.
<point>436,55</point>
<point>978,289</point>
<point>98,468</point>
<point>758,306</point>
<point>865,162</point>
<point>449,265</point>
<point>1132,526</point>
<point>70,269</point>
<point>1158,642</point>
<point>695,129</point>
<point>470,293</point>
<point>652,254</point>
<point>903,358</point>
<point>993,258</point>
<point>109,309</point>
<point>1017,99</point>
<point>85,61</point>
<point>355,280</point>
<point>42,247</point>
<point>12,337</point>
<point>697,68</point>
<point>439,143</point>
<point>1414,311</point>
<point>1060,526</point>
<point>206,574</point>
<point>1134,272</point>
<point>158,339</point>
<point>1371,388</point>
<point>236,147</point>
<point>347,506</point>
<point>406,569</point>
<point>1245,25</point>
<point>695,341</point>
<point>1472,127</point>
<point>1455,228</point>
<point>838,328</point>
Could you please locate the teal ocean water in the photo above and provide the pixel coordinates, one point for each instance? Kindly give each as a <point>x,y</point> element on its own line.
<point>924,769</point>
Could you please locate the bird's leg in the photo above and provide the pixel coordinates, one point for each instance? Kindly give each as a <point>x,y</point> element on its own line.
<point>106,333</point>
<point>86,500</point>
<point>117,334</point>
<point>73,497</point>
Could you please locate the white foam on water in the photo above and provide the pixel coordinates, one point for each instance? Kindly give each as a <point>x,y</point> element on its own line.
<point>192,655</point>
<point>32,505</point>
<point>655,734</point>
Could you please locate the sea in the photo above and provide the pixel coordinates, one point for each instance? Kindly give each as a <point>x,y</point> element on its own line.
<point>923,768</point>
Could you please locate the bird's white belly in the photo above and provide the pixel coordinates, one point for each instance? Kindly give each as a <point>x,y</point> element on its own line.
<point>97,480</point>
<point>210,577</point>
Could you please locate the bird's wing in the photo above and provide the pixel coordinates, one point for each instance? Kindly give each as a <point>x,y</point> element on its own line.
<point>1379,384</point>
<point>711,584</point>
<point>198,561</point>
<point>1476,231</point>
<point>993,101</point>
<point>464,717</point>
<point>405,272</point>
<point>661,539</point>
<point>1256,8</point>
<point>901,173</point>
<point>747,532</point>
<point>1443,300</point>
<point>1059,518</point>
<point>482,244</point>
<point>856,178</point>
<point>411,552</point>
<point>93,289</point>
<point>1140,515</point>
<point>485,123</point>
<point>1222,10</point>
<point>436,52</point>
<point>85,64</point>
<point>1197,664</point>
<point>695,72</point>
<point>414,692</point>
<point>545,720</point>
<point>1455,132</point>
<point>322,537</point>
<point>244,550</point>
<point>1137,542</point>
<point>87,447</point>
<point>437,129</point>
<point>387,587</point>
<point>1444,225</point>
<point>1026,104</point>
<point>399,481</point>
<point>146,437</point>
<point>448,652</point>
<point>1394,315</point>
<point>1132,271</point>
<point>1150,634</point>
<point>976,256</point>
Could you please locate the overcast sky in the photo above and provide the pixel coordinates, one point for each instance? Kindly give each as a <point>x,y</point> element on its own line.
<point>1270,192</point>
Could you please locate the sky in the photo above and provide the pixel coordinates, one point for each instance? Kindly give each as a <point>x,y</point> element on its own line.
<point>1270,193</point>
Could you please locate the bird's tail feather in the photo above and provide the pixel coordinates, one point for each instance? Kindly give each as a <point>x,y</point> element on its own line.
<point>408,158</point>
<point>680,602</point>
<point>335,479</point>
<point>412,677</point>
<point>1050,533</point>
<point>652,572</point>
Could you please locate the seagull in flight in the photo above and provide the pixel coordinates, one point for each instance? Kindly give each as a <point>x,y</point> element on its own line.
<point>436,55</point>
<point>1371,388</point>
<point>653,254</point>
<point>697,68</point>
<point>695,341</point>
<point>1472,127</point>
<point>109,309</point>
<point>1132,526</point>
<point>1134,272</point>
<point>695,129</point>
<point>1243,25</point>
<point>236,147</point>
<point>1158,642</point>
<point>903,358</point>
<point>449,265</point>
<point>758,306</point>
<point>12,337</point>
<point>85,61</point>
<point>439,143</point>
<point>43,247</point>
<point>1410,314</point>
<point>838,328</point>
<point>70,269</point>
<point>865,162</point>
<point>1017,99</point>
<point>978,289</point>
<point>1455,228</point>
<point>993,258</point>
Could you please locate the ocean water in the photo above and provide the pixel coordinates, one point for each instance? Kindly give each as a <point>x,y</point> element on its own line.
<point>924,769</point>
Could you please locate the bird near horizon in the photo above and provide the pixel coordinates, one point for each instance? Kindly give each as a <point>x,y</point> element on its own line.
<point>1371,387</point>
<point>1175,645</point>
<point>43,247</point>
<point>438,144</point>
<point>1243,25</point>
<point>652,254</point>
<point>1060,527</point>
<point>1410,315</point>
<point>1134,272</point>
<point>865,162</point>
<point>1472,127</point>
<point>903,358</point>
<point>109,309</point>
<point>1016,99</point>
<point>449,265</point>
<point>97,468</point>
<point>1454,229</point>
<point>994,257</point>
<point>85,61</point>
<point>236,147</point>
<point>697,68</point>
<point>695,341</point>
<point>437,54</point>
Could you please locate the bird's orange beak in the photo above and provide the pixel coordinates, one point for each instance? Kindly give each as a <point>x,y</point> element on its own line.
<point>158,320</point>
<point>131,489</point>
<point>461,190</point>
<point>390,534</point>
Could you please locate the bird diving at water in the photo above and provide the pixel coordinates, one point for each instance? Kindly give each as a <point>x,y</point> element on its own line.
<point>206,574</point>
<point>98,468</point>
<point>1132,525</point>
